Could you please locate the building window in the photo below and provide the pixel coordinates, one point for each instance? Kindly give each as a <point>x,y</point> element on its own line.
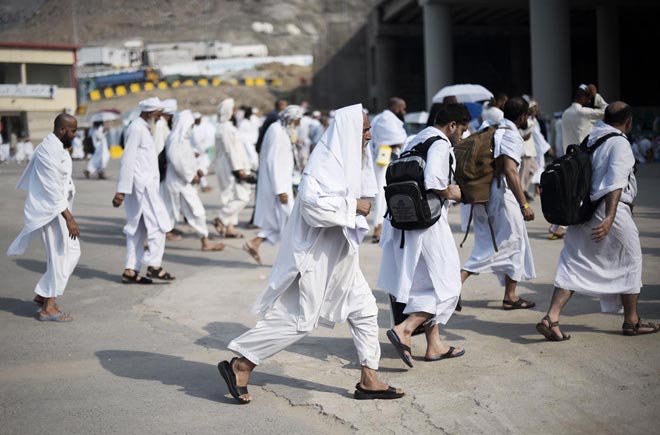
<point>10,73</point>
<point>44,74</point>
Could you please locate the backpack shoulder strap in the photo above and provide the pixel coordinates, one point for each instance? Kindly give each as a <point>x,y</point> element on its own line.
<point>423,148</point>
<point>601,140</point>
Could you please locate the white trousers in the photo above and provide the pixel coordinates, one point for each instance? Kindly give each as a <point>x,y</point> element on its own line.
<point>62,255</point>
<point>279,329</point>
<point>135,253</point>
<point>423,297</point>
<point>233,200</point>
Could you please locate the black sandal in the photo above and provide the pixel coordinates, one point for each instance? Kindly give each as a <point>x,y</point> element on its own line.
<point>547,331</point>
<point>228,374</point>
<point>364,394</point>
<point>159,273</point>
<point>630,330</point>
<point>135,279</point>
<point>518,305</point>
<point>401,348</point>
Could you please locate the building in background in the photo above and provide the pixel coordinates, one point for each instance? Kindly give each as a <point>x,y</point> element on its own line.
<point>37,81</point>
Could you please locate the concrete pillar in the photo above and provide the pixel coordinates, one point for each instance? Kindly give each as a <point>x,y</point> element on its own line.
<point>23,74</point>
<point>549,22</point>
<point>609,52</point>
<point>438,48</point>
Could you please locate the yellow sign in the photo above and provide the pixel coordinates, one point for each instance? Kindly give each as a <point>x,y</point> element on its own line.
<point>108,93</point>
<point>95,95</point>
<point>149,86</point>
<point>135,88</point>
<point>162,85</point>
<point>121,90</point>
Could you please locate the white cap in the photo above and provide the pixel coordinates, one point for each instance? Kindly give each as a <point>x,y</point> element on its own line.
<point>152,104</point>
<point>169,106</point>
<point>197,115</point>
<point>316,114</point>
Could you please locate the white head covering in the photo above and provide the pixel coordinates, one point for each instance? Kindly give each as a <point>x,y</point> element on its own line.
<point>152,104</point>
<point>182,124</point>
<point>169,106</point>
<point>226,109</point>
<point>197,115</point>
<point>291,113</point>
<point>338,163</point>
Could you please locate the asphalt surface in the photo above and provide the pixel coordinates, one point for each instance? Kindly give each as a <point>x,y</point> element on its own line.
<point>143,359</point>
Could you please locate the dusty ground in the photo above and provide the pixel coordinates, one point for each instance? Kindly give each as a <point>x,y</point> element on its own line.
<point>142,360</point>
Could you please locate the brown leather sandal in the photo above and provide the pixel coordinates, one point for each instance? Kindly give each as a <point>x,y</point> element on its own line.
<point>547,331</point>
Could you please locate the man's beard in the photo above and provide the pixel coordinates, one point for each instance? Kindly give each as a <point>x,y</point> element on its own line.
<point>67,142</point>
<point>400,115</point>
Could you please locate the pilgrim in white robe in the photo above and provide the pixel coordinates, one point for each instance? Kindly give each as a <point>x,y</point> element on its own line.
<point>528,166</point>
<point>231,157</point>
<point>50,191</point>
<point>146,214</point>
<point>542,146</point>
<point>386,130</point>
<point>203,140</point>
<point>425,275</point>
<point>316,277</point>
<point>77,149</point>
<point>248,131</point>
<point>577,121</point>
<point>514,257</point>
<point>612,266</point>
<point>160,132</point>
<point>178,192</point>
<point>275,177</point>
<point>101,155</point>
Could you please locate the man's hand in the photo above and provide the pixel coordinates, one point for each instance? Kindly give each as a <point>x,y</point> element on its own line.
<point>453,192</point>
<point>593,90</point>
<point>528,213</point>
<point>242,175</point>
<point>118,199</point>
<point>283,197</point>
<point>600,231</point>
<point>72,226</point>
<point>200,173</point>
<point>363,207</point>
<point>195,179</point>
<point>197,154</point>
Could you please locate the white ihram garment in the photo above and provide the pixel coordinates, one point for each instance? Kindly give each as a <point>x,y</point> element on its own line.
<point>514,257</point>
<point>160,133</point>
<point>386,130</point>
<point>146,214</point>
<point>50,191</point>
<point>101,155</point>
<point>577,121</point>
<point>231,157</point>
<point>316,276</point>
<point>425,273</point>
<point>613,266</point>
<point>248,131</point>
<point>275,177</point>
<point>178,193</point>
<point>542,147</point>
<point>203,140</point>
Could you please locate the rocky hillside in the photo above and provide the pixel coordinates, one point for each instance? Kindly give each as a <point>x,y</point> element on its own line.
<point>290,27</point>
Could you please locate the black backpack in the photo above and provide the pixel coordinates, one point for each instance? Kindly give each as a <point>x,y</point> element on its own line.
<point>409,205</point>
<point>566,185</point>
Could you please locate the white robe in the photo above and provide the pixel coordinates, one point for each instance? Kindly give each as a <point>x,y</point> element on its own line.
<point>50,191</point>
<point>542,147</point>
<point>178,192</point>
<point>160,133</point>
<point>139,180</point>
<point>101,155</point>
<point>614,265</point>
<point>577,121</point>
<point>429,260</point>
<point>77,150</point>
<point>203,140</point>
<point>514,257</point>
<point>275,177</point>
<point>386,130</point>
<point>231,157</point>
<point>248,131</point>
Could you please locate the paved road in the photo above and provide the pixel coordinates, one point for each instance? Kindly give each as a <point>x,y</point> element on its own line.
<point>142,360</point>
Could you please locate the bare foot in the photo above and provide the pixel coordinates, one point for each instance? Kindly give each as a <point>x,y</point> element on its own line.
<point>242,368</point>
<point>207,245</point>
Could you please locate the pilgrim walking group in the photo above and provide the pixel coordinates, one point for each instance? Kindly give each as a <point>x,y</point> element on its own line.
<point>339,167</point>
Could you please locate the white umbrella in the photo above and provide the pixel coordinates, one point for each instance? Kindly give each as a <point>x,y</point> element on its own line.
<point>104,116</point>
<point>464,93</point>
<point>416,117</point>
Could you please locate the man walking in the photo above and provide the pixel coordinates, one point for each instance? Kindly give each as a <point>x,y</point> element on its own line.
<point>146,214</point>
<point>503,218</point>
<point>603,257</point>
<point>425,273</point>
<point>48,213</point>
<point>316,276</point>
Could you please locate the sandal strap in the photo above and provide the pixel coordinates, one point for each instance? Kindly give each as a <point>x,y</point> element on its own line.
<point>550,322</point>
<point>449,352</point>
